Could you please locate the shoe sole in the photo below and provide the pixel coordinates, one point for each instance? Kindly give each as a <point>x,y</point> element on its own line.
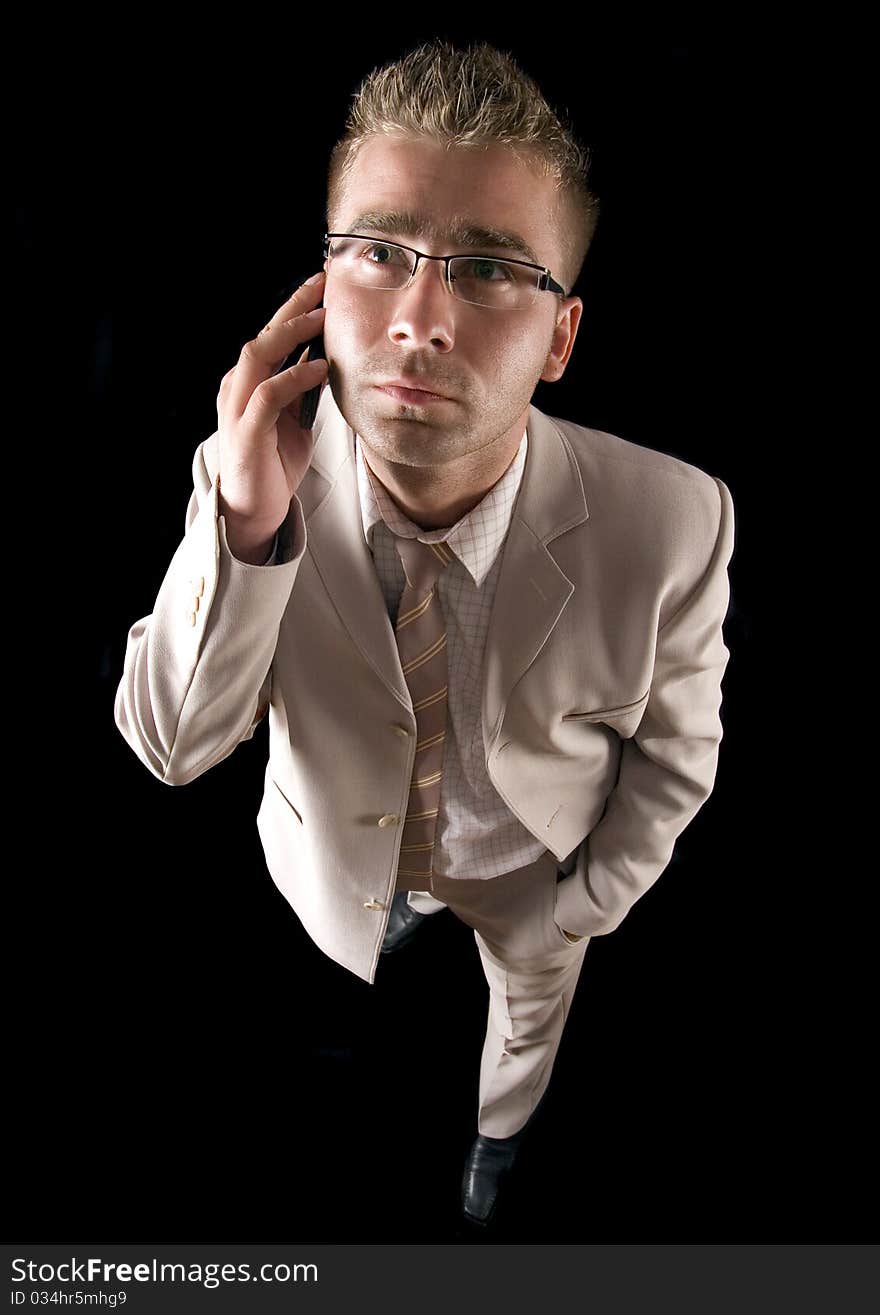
<point>479,1223</point>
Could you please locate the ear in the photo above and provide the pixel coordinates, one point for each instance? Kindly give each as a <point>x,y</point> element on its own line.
<point>568,319</point>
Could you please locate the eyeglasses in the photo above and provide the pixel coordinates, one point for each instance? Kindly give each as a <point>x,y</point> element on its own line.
<point>370,262</point>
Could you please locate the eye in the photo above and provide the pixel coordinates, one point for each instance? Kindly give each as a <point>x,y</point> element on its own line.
<point>485,270</point>
<point>386,250</point>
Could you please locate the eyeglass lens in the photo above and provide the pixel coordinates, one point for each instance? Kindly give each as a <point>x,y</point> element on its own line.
<point>482,280</point>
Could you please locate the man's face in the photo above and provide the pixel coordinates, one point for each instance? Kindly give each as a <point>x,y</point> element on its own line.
<point>485,361</point>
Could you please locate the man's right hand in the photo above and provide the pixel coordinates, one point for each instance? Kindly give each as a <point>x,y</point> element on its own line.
<point>264,452</point>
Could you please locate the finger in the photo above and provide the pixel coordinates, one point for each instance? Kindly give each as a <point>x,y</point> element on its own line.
<point>288,337</point>
<point>270,398</point>
<point>261,356</point>
<point>224,387</point>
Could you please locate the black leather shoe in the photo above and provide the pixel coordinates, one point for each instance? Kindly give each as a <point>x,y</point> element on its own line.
<point>486,1168</point>
<point>403,923</point>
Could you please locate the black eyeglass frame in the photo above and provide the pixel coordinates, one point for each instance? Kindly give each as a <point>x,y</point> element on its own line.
<point>546,283</point>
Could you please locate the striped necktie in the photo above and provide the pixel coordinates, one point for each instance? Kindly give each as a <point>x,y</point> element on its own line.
<point>420,631</point>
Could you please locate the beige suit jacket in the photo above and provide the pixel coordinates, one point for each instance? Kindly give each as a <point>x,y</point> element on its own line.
<point>602,695</point>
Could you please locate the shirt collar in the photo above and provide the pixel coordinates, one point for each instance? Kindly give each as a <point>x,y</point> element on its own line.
<point>475,539</point>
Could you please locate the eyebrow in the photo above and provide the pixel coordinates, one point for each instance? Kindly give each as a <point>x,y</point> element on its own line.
<point>459,231</point>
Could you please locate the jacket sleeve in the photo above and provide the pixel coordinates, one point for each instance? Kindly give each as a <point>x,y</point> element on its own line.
<point>197,672</point>
<point>667,769</point>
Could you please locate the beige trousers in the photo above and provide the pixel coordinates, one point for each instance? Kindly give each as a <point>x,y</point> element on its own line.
<point>532,972</point>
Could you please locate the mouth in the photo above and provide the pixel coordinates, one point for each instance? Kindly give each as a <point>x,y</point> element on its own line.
<point>412,396</point>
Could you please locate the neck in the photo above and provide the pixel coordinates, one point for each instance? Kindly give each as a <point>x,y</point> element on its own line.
<point>436,497</point>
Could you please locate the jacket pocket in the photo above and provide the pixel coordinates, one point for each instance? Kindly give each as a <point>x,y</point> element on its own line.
<point>295,811</point>
<point>608,714</point>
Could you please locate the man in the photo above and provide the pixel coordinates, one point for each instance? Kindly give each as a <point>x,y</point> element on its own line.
<point>489,641</point>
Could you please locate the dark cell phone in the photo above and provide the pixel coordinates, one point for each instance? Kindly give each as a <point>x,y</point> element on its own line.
<point>309,401</point>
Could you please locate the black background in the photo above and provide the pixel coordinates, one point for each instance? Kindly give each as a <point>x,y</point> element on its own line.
<point>183,1055</point>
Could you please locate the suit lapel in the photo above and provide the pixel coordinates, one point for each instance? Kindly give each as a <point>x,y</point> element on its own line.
<point>331,505</point>
<point>531,591</point>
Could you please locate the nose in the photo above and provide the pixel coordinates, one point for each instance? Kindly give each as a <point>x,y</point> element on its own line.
<point>424,313</point>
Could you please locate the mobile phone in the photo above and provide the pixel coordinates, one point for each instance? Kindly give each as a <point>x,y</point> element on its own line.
<point>309,401</point>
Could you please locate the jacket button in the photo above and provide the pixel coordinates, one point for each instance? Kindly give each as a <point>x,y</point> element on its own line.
<point>191,616</point>
<point>200,587</point>
<point>374,904</point>
<point>401,731</point>
<point>388,819</point>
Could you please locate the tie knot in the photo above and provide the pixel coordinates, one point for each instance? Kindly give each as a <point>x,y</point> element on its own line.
<point>422,562</point>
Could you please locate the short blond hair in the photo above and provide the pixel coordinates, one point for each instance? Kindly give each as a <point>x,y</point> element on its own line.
<point>473,97</point>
